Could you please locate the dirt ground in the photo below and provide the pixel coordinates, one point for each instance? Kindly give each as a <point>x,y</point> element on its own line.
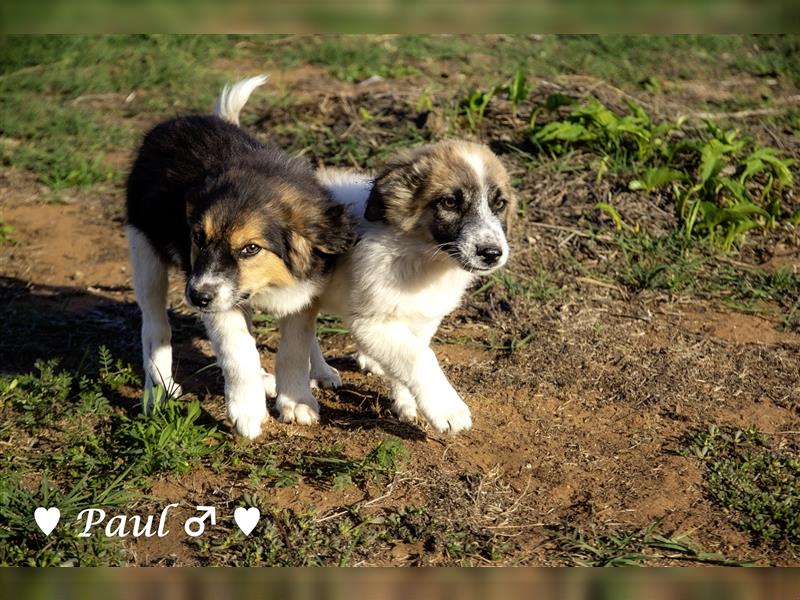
<point>580,425</point>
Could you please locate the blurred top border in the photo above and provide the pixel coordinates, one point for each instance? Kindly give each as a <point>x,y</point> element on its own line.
<point>401,16</point>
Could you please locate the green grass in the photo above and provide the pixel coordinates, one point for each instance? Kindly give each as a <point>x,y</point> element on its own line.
<point>621,59</point>
<point>678,266</point>
<point>171,439</point>
<point>92,453</point>
<point>539,286</point>
<point>721,184</point>
<point>68,102</point>
<point>352,535</point>
<point>89,453</point>
<point>331,467</point>
<point>64,98</point>
<point>630,548</point>
<point>326,466</point>
<point>340,147</point>
<point>23,544</point>
<point>6,233</point>
<point>758,486</point>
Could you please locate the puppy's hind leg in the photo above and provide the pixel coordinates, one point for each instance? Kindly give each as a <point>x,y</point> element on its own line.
<point>150,287</point>
<point>322,374</point>
<point>295,402</point>
<point>365,363</point>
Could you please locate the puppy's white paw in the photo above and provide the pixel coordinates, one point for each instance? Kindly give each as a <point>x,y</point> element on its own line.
<point>450,415</point>
<point>247,409</point>
<point>369,365</point>
<point>270,384</point>
<point>304,411</point>
<point>306,415</point>
<point>405,405</point>
<point>326,378</point>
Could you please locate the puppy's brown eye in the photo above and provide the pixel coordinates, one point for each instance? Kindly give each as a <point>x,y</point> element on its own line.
<point>199,238</point>
<point>449,203</point>
<point>499,204</point>
<point>250,250</point>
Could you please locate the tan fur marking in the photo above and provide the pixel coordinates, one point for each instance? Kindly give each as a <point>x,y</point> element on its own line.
<point>300,249</point>
<point>249,232</point>
<point>209,226</point>
<point>262,270</point>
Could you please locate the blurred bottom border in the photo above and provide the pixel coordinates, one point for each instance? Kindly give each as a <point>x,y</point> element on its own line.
<point>420,583</point>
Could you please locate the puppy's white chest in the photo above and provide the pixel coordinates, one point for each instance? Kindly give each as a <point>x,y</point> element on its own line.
<point>281,301</point>
<point>423,300</point>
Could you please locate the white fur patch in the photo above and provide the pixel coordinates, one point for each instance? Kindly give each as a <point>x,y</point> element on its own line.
<point>282,301</point>
<point>234,97</point>
<point>475,162</point>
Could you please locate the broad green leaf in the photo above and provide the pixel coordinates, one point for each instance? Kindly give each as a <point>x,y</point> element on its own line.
<point>562,131</point>
<point>655,178</point>
<point>711,159</point>
<point>734,187</point>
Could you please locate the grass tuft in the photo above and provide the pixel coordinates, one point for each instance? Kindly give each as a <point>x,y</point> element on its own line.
<point>630,548</point>
<point>759,486</point>
<point>721,184</point>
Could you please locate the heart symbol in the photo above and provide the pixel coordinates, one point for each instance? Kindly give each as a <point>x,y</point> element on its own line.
<point>246,518</point>
<point>47,518</point>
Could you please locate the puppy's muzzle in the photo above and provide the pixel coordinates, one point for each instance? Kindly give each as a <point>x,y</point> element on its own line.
<point>200,296</point>
<point>489,254</point>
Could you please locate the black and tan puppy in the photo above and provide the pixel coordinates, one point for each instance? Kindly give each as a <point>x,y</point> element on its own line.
<point>250,227</point>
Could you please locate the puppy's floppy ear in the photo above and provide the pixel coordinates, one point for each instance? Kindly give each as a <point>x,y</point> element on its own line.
<point>394,186</point>
<point>511,209</point>
<point>328,233</point>
<point>376,208</point>
<point>335,234</point>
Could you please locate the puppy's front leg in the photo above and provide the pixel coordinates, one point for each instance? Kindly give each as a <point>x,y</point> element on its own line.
<point>295,402</point>
<point>241,366</point>
<point>409,360</point>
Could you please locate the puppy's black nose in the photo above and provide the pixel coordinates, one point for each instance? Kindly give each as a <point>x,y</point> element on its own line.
<point>201,298</point>
<point>489,254</point>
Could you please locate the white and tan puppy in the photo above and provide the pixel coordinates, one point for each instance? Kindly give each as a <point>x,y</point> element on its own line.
<point>430,223</point>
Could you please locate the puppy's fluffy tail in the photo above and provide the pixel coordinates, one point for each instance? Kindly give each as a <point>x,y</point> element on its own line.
<point>234,97</point>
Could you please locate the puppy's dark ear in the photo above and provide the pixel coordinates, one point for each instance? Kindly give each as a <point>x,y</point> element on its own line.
<point>335,234</point>
<point>376,209</point>
<point>394,187</point>
<point>325,233</point>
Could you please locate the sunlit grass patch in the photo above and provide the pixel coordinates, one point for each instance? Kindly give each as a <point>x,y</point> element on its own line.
<point>630,548</point>
<point>679,266</point>
<point>758,486</point>
<point>353,535</point>
<point>722,184</point>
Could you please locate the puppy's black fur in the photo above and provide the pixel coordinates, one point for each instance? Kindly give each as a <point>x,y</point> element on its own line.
<point>188,166</point>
